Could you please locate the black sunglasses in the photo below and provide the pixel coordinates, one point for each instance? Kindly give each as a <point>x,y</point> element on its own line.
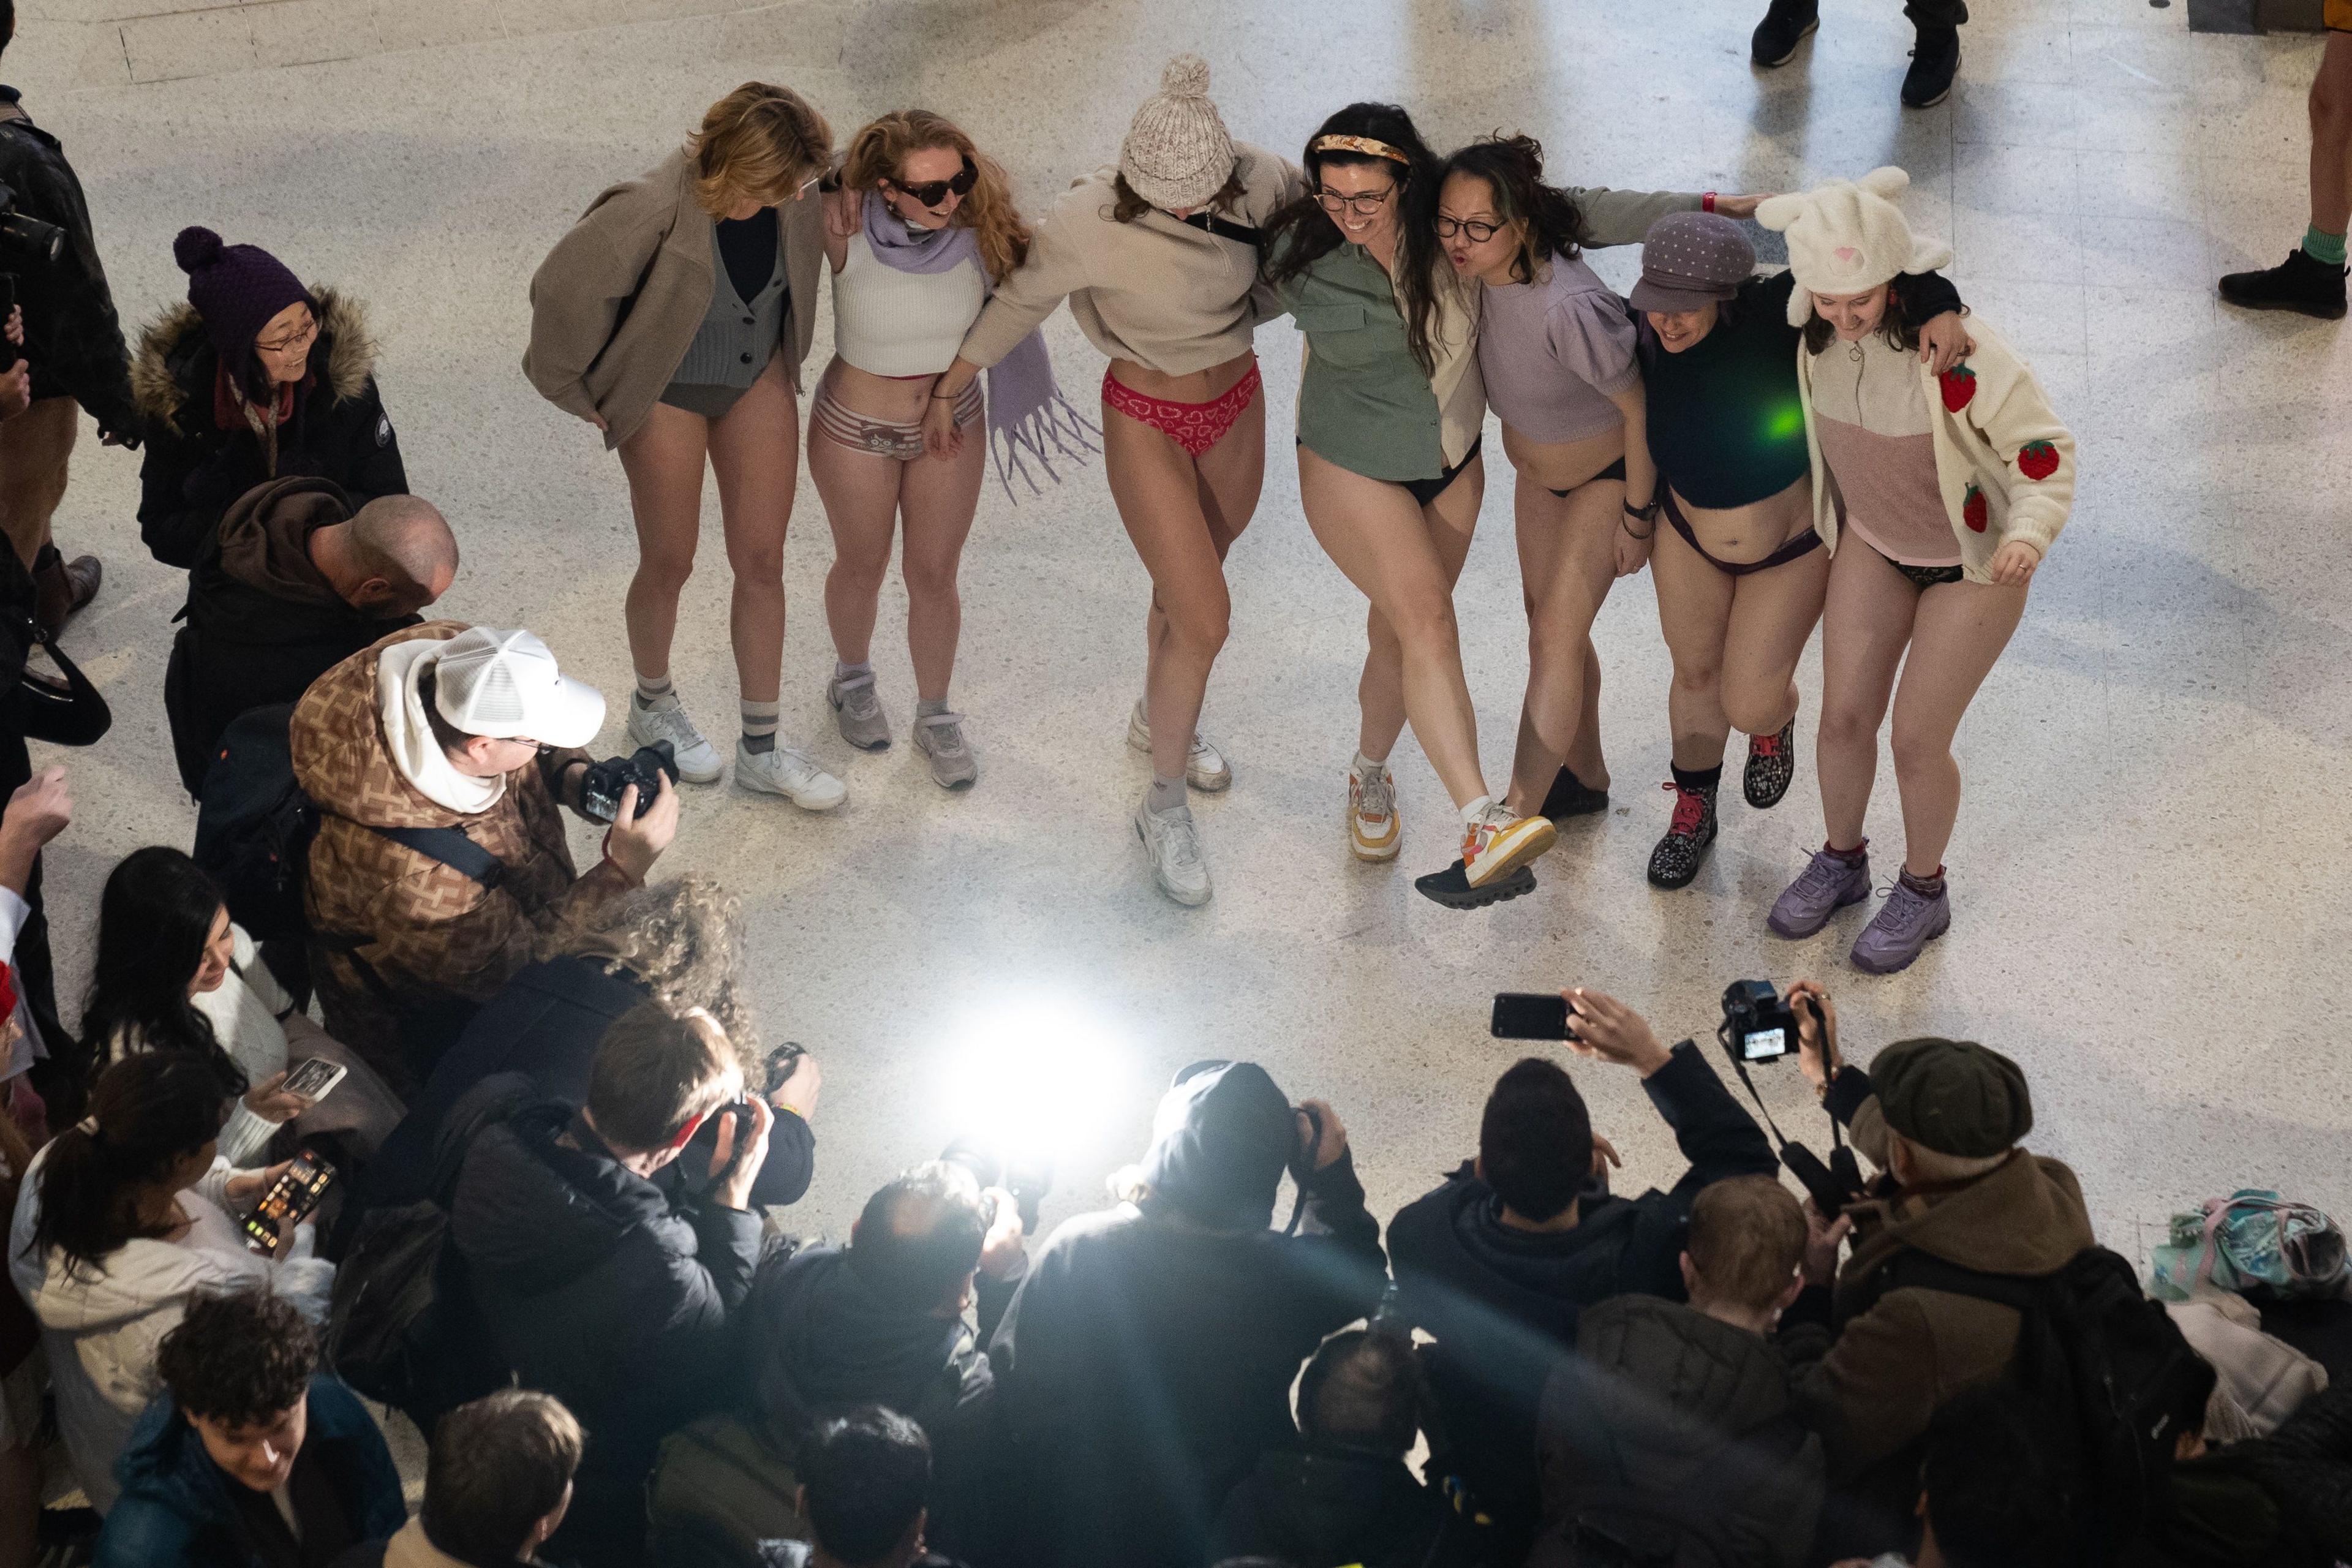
<point>931,192</point>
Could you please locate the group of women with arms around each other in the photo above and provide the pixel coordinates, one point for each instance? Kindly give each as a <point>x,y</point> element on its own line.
<point>1765,420</point>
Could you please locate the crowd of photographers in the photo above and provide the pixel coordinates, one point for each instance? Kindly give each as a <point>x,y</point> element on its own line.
<point>522,1181</point>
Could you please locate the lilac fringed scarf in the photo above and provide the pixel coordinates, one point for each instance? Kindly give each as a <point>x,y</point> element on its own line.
<point>1026,410</point>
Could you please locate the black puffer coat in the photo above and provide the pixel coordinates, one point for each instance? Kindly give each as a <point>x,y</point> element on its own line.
<point>1677,1434</point>
<point>603,1293</point>
<point>1320,1505</point>
<point>72,336</point>
<point>196,471</point>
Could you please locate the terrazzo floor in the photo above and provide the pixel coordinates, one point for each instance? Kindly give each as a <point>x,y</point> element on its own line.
<point>2150,878</point>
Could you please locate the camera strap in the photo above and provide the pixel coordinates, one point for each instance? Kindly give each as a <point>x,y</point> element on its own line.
<point>1837,1137</point>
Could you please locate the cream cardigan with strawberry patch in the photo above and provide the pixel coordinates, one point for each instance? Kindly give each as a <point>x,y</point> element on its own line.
<point>2004,463</point>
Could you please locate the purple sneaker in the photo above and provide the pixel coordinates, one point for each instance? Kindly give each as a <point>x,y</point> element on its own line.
<point>1825,886</point>
<point>1910,921</point>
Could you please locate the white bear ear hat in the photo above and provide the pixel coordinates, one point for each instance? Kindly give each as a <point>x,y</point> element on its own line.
<point>1848,235</point>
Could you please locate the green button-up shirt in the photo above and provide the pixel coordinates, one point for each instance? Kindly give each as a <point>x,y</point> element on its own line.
<point>1364,402</point>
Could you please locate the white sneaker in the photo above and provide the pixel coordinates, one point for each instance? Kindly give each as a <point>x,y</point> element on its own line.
<point>1174,845</point>
<point>666,719</point>
<point>788,772</point>
<point>1373,833</point>
<point>1205,768</point>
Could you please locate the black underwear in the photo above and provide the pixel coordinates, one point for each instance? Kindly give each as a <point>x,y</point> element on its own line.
<point>1615,471</point>
<point>1802,544</point>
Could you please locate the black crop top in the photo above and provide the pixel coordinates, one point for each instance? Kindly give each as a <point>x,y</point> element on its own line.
<point>748,247</point>
<point>1726,420</point>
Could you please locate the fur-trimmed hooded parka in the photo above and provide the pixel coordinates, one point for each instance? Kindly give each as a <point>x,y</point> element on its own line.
<point>202,454</point>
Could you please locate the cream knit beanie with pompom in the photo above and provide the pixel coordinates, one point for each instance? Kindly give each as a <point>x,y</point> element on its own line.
<point>1177,154</point>
<point>1848,235</point>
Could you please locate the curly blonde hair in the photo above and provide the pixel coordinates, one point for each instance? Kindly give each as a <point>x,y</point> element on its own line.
<point>683,940</point>
<point>760,142</point>
<point>880,150</point>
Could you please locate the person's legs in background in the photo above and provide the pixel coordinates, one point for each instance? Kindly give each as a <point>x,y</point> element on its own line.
<point>36,448</point>
<point>1935,51</point>
<point>2311,280</point>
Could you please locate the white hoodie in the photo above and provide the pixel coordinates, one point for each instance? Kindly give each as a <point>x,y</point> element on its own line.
<point>102,1327</point>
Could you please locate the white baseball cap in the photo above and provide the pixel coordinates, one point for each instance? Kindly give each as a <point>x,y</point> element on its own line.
<point>506,685</point>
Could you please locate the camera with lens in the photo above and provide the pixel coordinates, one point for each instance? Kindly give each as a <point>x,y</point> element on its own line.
<point>601,788</point>
<point>1757,1026</point>
<point>781,1063</point>
<point>1027,1177</point>
<point>28,237</point>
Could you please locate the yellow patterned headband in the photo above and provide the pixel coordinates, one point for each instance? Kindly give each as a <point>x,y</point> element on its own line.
<point>1357,144</point>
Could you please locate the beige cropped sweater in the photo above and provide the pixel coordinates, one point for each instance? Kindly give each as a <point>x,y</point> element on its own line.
<point>1161,293</point>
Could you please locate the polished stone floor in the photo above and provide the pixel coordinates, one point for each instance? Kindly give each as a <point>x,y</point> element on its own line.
<point>2150,876</point>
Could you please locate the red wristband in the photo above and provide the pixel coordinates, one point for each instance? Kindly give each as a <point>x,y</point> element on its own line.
<point>1706,203</point>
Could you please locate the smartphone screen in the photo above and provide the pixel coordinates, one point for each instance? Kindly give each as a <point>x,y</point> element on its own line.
<point>1529,1016</point>
<point>294,1195</point>
<point>314,1077</point>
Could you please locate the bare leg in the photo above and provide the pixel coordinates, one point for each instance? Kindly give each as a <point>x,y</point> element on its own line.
<point>755,453</point>
<point>36,447</point>
<point>1381,540</point>
<point>938,498</point>
<point>664,462</point>
<point>1693,611</point>
<point>1566,562</point>
<point>1773,613</point>
<point>1865,623</point>
<point>1181,521</point>
<point>2331,137</point>
<point>860,492</point>
<point>1453,519</point>
<point>1956,635</point>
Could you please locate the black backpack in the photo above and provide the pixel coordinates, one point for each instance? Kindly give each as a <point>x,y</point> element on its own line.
<point>2094,1350</point>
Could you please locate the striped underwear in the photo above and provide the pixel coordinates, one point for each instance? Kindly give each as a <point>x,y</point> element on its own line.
<point>1195,426</point>
<point>883,438</point>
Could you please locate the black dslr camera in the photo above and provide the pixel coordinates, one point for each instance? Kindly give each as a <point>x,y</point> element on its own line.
<point>600,790</point>
<point>28,237</point>
<point>1028,1180</point>
<point>781,1063</point>
<point>1760,1026</point>
<point>1757,1026</point>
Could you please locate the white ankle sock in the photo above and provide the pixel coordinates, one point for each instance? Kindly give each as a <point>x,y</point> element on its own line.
<point>853,671</point>
<point>1475,809</point>
<point>1363,767</point>
<point>652,688</point>
<point>1166,795</point>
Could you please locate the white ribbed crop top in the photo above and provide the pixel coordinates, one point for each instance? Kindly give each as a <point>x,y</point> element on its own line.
<point>889,322</point>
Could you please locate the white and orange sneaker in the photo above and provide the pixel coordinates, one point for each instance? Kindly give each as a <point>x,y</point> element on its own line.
<point>1497,850</point>
<point>1374,832</point>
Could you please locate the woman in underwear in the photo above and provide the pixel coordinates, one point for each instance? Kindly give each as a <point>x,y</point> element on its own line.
<point>922,228</point>
<point>1937,497</point>
<point>674,317</point>
<point>1555,350</point>
<point>1738,573</point>
<point>1158,258</point>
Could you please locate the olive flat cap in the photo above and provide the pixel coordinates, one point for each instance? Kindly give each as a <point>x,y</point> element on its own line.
<point>1954,1096</point>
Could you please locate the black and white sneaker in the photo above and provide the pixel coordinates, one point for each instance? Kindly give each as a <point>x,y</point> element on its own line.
<point>1784,26</point>
<point>1935,61</point>
<point>1689,837</point>
<point>1452,887</point>
<point>1771,764</point>
<point>2301,282</point>
<point>1570,797</point>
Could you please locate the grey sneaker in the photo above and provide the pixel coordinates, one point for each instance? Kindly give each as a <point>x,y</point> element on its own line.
<point>940,738</point>
<point>1173,845</point>
<point>1910,921</point>
<point>698,758</point>
<point>1827,885</point>
<point>858,710</point>
<point>1205,768</point>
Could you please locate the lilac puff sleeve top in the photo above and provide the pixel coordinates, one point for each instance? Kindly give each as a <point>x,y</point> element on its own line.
<point>1555,352</point>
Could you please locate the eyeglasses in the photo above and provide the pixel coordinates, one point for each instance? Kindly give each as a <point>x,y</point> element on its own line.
<point>299,337</point>
<point>1365,205</point>
<point>1478,233</point>
<point>931,192</point>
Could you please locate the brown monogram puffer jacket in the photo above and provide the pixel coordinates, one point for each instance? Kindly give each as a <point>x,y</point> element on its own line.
<point>393,931</point>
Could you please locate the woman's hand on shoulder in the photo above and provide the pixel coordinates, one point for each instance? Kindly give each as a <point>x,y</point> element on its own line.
<point>1944,343</point>
<point>2013,564</point>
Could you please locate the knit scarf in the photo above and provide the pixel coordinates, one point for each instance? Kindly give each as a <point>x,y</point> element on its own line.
<point>1026,410</point>
<point>231,409</point>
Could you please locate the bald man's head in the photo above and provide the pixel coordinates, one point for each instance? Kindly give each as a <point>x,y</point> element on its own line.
<point>398,557</point>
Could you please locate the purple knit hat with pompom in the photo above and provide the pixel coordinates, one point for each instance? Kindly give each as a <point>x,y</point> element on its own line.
<point>237,288</point>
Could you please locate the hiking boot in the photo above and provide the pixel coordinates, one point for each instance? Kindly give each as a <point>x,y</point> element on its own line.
<point>1374,832</point>
<point>1828,884</point>
<point>940,738</point>
<point>1452,887</point>
<point>1689,837</point>
<point>1570,797</point>
<point>1173,846</point>
<point>1771,764</point>
<point>1896,934</point>
<point>665,718</point>
<point>2298,283</point>
<point>1784,26</point>
<point>857,710</point>
<point>62,587</point>
<point>1935,61</point>
<point>1205,768</point>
